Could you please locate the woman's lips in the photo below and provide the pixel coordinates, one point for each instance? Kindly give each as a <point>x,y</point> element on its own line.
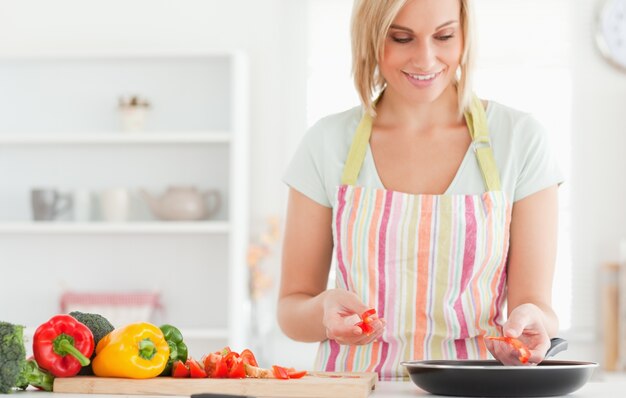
<point>422,80</point>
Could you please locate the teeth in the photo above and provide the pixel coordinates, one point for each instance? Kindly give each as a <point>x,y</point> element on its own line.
<point>423,77</point>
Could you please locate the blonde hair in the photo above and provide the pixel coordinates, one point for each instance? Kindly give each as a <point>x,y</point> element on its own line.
<point>371,20</point>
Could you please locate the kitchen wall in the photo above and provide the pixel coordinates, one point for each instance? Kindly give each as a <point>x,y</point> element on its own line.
<point>598,164</point>
<point>273,33</point>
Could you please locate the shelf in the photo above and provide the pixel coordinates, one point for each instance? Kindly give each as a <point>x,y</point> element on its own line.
<point>61,129</point>
<point>155,227</point>
<point>117,138</point>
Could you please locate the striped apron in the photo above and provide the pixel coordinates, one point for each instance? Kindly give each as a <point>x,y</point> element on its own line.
<point>434,266</point>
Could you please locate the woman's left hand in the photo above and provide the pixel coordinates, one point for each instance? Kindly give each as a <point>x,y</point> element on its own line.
<point>525,323</point>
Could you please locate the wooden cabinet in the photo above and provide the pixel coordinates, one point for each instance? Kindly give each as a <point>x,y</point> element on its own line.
<point>60,130</point>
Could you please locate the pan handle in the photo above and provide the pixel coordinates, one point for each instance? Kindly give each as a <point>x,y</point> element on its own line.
<point>557,345</point>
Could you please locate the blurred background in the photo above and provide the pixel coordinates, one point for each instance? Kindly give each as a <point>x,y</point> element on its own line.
<point>142,145</point>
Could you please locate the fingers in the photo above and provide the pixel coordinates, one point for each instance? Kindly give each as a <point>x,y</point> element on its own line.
<point>379,328</point>
<point>353,335</point>
<point>524,324</point>
<point>515,326</point>
<point>504,353</point>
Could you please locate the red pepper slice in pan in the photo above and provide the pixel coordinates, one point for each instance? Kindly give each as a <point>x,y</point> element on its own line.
<point>524,352</point>
<point>62,346</point>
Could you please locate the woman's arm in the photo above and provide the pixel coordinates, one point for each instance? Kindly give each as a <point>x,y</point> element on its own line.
<point>306,310</point>
<point>530,271</point>
<point>307,252</point>
<point>532,254</point>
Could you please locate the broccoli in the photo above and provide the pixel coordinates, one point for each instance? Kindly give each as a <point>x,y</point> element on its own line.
<point>15,369</point>
<point>99,327</point>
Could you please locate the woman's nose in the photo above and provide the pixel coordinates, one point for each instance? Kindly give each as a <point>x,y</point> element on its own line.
<point>423,56</point>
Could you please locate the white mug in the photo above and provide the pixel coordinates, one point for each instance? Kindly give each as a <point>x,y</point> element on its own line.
<point>115,204</point>
<point>82,205</point>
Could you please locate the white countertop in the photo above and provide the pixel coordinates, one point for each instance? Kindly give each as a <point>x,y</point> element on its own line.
<point>605,385</point>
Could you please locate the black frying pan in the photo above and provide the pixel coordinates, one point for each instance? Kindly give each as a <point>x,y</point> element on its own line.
<point>487,378</point>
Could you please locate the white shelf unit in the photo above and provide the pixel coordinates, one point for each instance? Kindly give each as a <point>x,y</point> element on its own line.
<point>60,130</point>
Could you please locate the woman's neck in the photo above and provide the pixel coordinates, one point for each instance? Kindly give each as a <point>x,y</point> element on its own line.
<point>395,112</point>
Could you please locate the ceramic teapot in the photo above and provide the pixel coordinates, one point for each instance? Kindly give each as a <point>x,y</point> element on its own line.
<point>183,203</point>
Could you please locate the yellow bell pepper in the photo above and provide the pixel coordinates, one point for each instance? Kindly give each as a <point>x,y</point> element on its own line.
<point>136,351</point>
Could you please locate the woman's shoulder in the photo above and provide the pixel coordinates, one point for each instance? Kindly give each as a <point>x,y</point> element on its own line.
<point>338,124</point>
<point>512,123</point>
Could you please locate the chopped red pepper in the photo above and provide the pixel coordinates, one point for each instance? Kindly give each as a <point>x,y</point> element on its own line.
<point>234,365</point>
<point>294,374</point>
<point>366,319</point>
<point>179,369</point>
<point>196,370</point>
<point>230,364</point>
<point>280,372</point>
<point>237,369</point>
<point>368,313</point>
<point>63,345</point>
<point>248,357</point>
<point>215,365</point>
<point>524,352</point>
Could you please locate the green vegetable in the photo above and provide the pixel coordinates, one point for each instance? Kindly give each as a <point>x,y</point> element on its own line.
<point>178,348</point>
<point>99,327</point>
<point>15,369</point>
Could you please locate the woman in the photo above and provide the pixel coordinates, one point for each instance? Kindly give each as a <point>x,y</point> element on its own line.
<point>441,209</point>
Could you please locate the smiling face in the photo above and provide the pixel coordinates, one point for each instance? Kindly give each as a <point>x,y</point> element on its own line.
<point>423,49</point>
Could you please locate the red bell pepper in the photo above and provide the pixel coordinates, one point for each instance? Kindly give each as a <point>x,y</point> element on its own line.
<point>179,369</point>
<point>280,372</point>
<point>214,365</point>
<point>524,352</point>
<point>62,346</point>
<point>248,357</point>
<point>366,319</point>
<point>237,369</point>
<point>294,374</point>
<point>228,364</point>
<point>196,371</point>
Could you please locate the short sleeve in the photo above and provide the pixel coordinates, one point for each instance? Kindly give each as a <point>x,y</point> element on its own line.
<point>305,172</point>
<point>537,164</point>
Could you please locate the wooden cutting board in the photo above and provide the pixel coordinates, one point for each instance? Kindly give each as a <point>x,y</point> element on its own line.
<point>314,385</point>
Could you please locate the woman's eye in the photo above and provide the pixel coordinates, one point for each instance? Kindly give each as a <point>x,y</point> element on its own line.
<point>401,39</point>
<point>444,37</point>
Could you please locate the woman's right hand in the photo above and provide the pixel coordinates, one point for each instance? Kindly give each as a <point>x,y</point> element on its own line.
<point>341,314</point>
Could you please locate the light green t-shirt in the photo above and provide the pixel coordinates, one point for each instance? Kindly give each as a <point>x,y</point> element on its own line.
<point>520,146</point>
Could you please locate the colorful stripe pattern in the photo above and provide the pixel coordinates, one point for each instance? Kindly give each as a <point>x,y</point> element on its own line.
<point>434,266</point>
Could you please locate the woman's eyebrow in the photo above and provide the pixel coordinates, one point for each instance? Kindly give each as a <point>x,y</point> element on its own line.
<point>404,28</point>
<point>398,27</point>
<point>443,25</point>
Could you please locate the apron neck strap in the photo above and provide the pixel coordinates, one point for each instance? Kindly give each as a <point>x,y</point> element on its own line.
<point>476,120</point>
<point>356,155</point>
